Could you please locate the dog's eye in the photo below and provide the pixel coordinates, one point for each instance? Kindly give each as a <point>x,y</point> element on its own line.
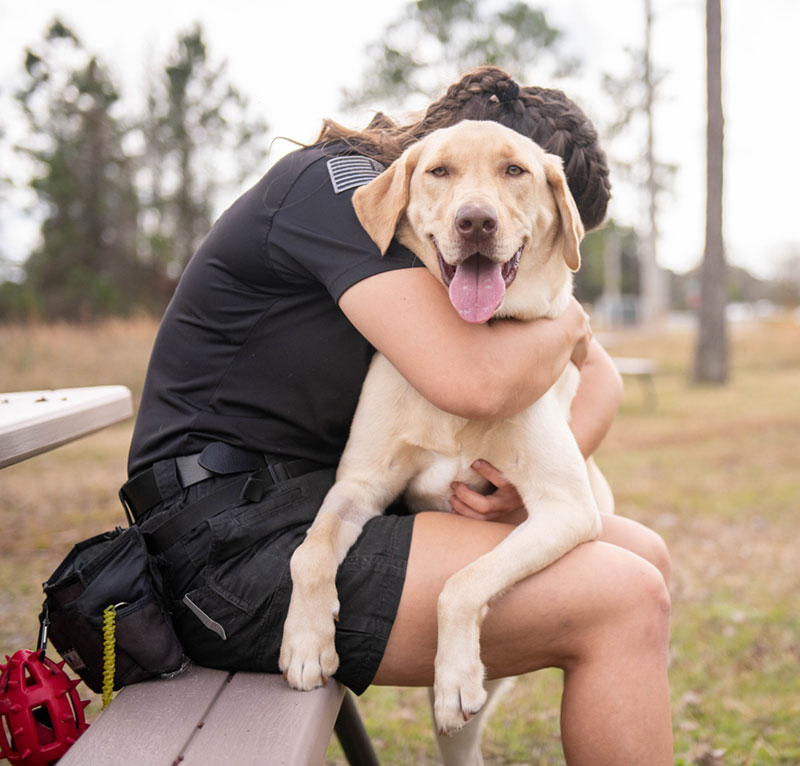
<point>439,171</point>
<point>514,170</point>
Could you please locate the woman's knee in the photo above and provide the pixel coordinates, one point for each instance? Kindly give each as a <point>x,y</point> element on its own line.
<point>654,599</point>
<point>638,539</point>
<point>657,553</point>
<point>643,617</point>
<point>631,613</point>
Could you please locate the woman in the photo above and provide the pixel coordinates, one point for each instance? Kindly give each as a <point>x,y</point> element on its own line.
<point>254,378</point>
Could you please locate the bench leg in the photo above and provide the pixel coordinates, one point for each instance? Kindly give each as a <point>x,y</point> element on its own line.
<point>650,396</point>
<point>353,736</point>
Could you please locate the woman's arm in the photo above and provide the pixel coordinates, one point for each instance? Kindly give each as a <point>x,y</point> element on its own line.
<point>481,372</point>
<point>597,400</point>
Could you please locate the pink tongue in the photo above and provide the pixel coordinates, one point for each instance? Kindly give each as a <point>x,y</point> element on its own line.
<point>477,288</point>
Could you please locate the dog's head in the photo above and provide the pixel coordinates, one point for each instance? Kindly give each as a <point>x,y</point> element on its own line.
<point>488,212</point>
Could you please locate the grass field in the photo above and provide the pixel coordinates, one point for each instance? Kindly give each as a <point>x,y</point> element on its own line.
<point>715,470</point>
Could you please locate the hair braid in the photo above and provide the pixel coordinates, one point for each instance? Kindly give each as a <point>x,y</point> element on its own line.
<point>545,115</point>
<point>560,127</point>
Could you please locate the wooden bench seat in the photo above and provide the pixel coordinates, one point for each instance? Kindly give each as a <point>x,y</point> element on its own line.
<point>203,716</point>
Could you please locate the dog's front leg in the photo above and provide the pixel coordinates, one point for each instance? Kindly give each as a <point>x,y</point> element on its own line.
<point>375,467</point>
<point>308,653</point>
<point>554,527</point>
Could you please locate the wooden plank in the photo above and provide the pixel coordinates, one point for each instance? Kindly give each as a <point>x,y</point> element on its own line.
<point>258,719</point>
<point>149,723</point>
<point>32,422</point>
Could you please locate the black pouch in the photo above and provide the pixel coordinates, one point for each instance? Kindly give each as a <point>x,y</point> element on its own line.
<point>112,569</point>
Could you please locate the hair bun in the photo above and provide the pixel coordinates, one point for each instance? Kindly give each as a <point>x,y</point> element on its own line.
<point>509,94</point>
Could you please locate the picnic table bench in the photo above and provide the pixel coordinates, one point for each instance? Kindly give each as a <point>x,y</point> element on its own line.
<point>204,716</point>
<point>198,716</point>
<point>642,369</point>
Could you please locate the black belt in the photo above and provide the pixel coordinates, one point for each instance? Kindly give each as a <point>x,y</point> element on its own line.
<point>141,493</point>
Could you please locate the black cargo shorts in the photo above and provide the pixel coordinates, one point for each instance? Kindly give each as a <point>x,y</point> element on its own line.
<point>229,583</point>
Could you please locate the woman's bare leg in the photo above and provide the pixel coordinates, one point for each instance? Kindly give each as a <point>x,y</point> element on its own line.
<point>639,539</point>
<point>601,613</point>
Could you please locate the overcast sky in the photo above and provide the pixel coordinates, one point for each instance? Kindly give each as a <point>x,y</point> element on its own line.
<point>293,58</point>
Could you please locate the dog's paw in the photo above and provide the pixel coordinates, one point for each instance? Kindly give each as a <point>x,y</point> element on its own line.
<point>458,695</point>
<point>308,655</point>
<point>308,659</point>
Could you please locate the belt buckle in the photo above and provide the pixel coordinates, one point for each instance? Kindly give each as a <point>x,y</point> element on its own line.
<point>126,506</point>
<point>257,484</point>
<point>278,472</point>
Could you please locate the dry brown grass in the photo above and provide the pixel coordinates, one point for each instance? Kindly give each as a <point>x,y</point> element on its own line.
<point>62,355</point>
<point>713,469</point>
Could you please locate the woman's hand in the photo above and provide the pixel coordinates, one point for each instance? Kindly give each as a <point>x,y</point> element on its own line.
<point>583,332</point>
<point>503,504</point>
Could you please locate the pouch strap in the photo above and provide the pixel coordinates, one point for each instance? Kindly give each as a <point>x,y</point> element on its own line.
<point>164,534</point>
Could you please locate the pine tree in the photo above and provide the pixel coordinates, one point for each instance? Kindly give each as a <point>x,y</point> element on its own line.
<point>433,42</point>
<point>85,264</point>
<point>200,143</point>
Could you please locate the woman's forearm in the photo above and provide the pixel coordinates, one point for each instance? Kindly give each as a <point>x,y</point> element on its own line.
<point>597,401</point>
<point>481,372</point>
<point>532,356</point>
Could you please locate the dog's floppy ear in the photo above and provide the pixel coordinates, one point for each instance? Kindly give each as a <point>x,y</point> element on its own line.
<point>380,203</point>
<point>571,224</point>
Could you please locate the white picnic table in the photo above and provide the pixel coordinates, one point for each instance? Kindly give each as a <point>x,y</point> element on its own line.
<point>32,422</point>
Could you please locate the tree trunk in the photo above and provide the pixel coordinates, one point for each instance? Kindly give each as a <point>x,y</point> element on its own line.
<point>711,357</point>
<point>654,302</point>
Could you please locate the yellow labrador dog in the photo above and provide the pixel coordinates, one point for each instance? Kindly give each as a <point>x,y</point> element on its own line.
<point>490,214</point>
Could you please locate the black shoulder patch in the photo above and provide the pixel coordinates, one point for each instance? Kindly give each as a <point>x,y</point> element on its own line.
<point>350,172</point>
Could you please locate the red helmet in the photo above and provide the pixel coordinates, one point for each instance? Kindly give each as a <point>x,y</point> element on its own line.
<point>41,714</point>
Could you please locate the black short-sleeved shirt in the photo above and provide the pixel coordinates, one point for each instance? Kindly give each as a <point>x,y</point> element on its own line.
<point>253,349</point>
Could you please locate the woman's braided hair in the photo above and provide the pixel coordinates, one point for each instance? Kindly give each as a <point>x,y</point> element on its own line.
<point>545,115</point>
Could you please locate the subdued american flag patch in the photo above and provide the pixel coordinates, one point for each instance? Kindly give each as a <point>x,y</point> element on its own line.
<point>349,172</point>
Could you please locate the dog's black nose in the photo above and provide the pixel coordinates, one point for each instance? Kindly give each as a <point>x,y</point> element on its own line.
<point>476,222</point>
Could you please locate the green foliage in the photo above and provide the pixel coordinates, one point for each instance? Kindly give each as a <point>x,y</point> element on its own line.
<point>86,260</point>
<point>17,301</point>
<point>434,41</point>
<point>119,225</point>
<point>199,142</point>
<point>590,280</point>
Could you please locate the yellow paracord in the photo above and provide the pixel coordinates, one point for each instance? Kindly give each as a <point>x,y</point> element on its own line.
<point>109,656</point>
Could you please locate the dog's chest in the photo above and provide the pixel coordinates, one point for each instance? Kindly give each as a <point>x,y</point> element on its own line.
<point>445,446</point>
<point>434,448</point>
<point>421,424</point>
